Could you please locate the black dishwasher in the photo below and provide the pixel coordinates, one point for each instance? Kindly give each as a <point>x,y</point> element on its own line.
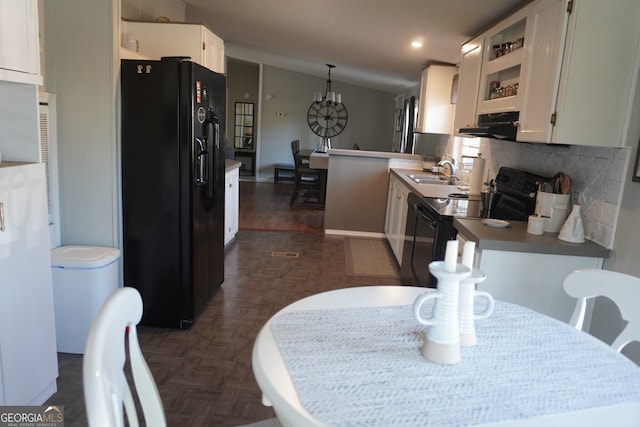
<point>429,226</point>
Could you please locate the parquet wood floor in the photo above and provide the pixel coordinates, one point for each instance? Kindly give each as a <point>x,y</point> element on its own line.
<point>264,206</point>
<point>204,374</point>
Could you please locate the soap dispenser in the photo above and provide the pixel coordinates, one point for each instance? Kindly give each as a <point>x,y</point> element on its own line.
<point>573,231</point>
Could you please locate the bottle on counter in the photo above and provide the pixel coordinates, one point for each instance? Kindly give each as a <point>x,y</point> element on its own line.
<point>573,230</point>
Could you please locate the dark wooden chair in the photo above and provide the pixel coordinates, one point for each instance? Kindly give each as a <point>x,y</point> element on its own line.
<point>283,171</point>
<point>306,181</point>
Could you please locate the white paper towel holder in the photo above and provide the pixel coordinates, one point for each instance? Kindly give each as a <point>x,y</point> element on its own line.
<point>477,174</point>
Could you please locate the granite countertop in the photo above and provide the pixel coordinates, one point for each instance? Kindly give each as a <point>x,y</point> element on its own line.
<point>516,239</point>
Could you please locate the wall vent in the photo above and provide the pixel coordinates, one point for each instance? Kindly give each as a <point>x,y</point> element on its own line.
<point>286,254</point>
<point>48,155</point>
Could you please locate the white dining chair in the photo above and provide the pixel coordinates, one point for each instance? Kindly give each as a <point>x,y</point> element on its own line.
<point>106,389</point>
<point>622,289</point>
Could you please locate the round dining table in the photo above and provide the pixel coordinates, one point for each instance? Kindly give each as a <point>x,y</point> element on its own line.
<point>319,360</point>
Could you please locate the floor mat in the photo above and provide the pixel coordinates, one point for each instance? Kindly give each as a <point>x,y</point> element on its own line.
<point>369,257</point>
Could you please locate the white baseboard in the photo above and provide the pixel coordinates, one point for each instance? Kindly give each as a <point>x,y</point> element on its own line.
<point>366,234</point>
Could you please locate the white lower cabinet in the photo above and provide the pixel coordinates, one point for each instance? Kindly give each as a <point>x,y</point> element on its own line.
<point>231,204</point>
<point>396,216</point>
<point>28,358</point>
<point>532,280</point>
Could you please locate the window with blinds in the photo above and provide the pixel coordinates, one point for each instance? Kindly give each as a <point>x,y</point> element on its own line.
<point>467,151</point>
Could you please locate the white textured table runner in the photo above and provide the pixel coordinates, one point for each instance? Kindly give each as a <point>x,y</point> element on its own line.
<point>362,367</point>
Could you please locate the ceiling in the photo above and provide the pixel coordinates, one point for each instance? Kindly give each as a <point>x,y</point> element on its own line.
<point>367,40</point>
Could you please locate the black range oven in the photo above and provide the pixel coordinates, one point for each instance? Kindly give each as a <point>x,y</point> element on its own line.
<point>430,220</point>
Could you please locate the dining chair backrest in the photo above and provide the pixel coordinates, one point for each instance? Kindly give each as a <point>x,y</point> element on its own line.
<point>305,179</point>
<point>106,389</point>
<point>295,150</point>
<point>622,289</point>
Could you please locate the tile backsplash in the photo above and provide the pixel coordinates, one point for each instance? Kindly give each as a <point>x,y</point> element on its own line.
<point>597,173</point>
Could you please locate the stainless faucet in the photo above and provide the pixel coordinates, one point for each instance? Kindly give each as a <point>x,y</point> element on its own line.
<point>452,168</point>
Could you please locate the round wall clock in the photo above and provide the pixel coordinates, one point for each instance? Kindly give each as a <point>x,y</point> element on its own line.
<point>327,120</point>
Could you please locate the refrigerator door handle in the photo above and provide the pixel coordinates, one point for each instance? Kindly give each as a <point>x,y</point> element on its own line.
<point>201,162</point>
<point>212,184</point>
<point>216,162</point>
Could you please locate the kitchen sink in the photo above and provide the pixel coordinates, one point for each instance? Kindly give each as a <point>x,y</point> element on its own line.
<point>458,196</point>
<point>427,179</point>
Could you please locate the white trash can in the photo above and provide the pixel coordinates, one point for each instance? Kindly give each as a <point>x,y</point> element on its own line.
<point>83,278</point>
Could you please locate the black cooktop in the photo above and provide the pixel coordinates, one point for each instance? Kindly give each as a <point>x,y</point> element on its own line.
<point>449,208</point>
<point>515,199</point>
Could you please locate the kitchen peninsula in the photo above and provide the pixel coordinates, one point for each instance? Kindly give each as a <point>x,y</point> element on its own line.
<point>357,185</point>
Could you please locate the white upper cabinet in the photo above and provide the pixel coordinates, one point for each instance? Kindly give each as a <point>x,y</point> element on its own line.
<point>468,84</point>
<point>19,53</point>
<point>157,39</point>
<point>547,22</point>
<point>567,66</point>
<point>435,110</point>
<point>213,51</point>
<point>599,73</point>
<point>19,122</point>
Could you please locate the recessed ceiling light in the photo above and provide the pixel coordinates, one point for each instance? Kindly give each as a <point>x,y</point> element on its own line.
<point>416,44</point>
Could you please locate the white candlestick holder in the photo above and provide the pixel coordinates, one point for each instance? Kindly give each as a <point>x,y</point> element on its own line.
<point>442,343</point>
<point>467,316</point>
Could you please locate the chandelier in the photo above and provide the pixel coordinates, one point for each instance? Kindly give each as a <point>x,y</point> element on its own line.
<point>329,96</point>
<point>327,115</point>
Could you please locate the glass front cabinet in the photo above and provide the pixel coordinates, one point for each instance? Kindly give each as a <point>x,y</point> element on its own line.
<point>503,61</point>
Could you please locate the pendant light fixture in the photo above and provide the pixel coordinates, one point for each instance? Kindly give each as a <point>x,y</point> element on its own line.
<point>327,116</point>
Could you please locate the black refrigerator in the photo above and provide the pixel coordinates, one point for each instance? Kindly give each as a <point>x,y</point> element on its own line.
<point>409,120</point>
<point>172,152</point>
